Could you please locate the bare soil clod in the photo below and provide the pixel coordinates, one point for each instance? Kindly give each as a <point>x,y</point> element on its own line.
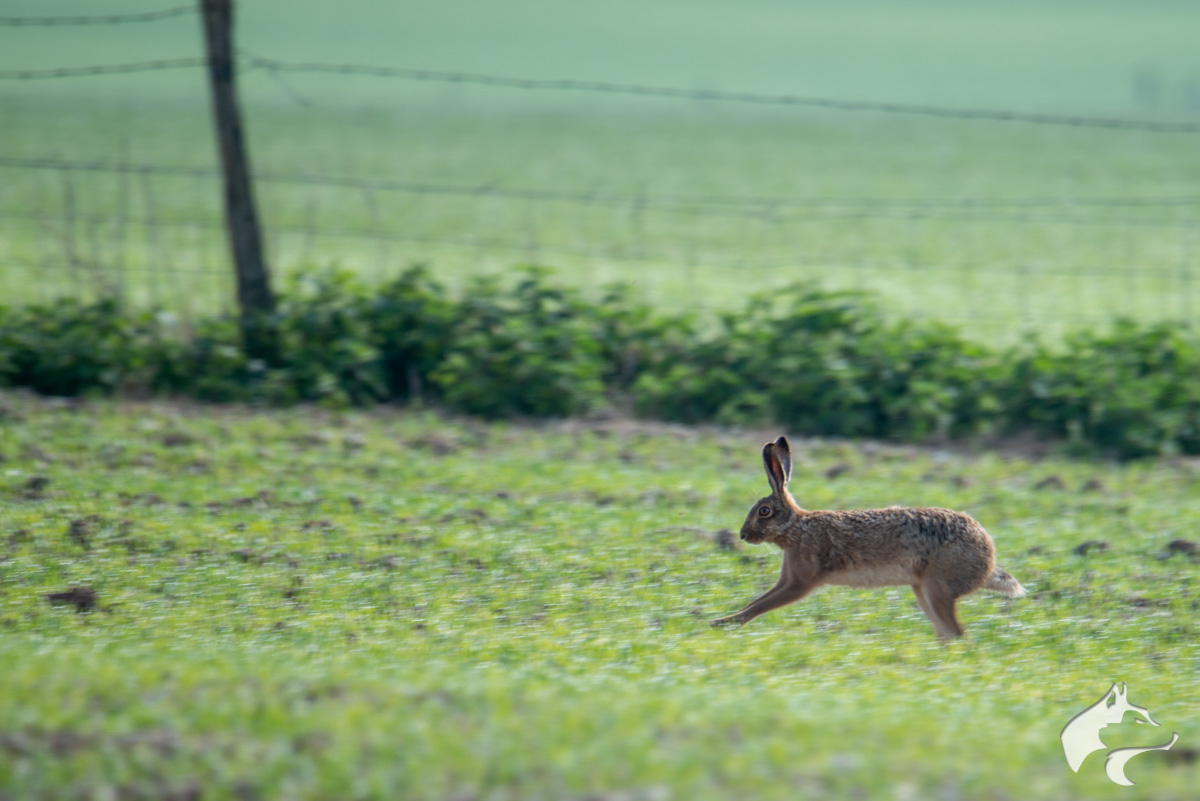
<point>82,598</point>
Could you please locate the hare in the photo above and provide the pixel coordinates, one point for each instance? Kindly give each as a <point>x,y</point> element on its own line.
<point>942,554</point>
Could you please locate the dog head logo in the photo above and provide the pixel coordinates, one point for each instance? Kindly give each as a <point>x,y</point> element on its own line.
<point>1081,735</point>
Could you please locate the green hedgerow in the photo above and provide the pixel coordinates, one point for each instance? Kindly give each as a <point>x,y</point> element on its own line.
<point>816,362</point>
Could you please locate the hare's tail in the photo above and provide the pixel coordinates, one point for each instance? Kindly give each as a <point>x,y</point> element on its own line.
<point>1002,582</point>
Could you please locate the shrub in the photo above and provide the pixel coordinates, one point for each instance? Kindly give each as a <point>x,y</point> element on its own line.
<point>635,340</point>
<point>1133,391</point>
<point>530,350</point>
<point>71,347</point>
<point>412,321</point>
<point>817,362</point>
<point>328,351</point>
<point>827,363</point>
<point>208,363</point>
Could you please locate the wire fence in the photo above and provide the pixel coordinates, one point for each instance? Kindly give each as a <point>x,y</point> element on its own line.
<point>691,203</point>
<point>684,253</point>
<point>605,87</point>
<point>153,233</point>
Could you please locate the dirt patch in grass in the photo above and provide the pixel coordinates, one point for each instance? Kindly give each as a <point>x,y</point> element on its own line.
<point>82,598</point>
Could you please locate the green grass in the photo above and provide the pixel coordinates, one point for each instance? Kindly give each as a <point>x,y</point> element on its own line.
<point>995,269</point>
<point>399,605</point>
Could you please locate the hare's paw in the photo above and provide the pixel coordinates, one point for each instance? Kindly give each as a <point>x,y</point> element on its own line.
<point>731,620</point>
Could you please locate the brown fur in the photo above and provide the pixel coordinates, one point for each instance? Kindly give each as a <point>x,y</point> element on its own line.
<point>942,554</point>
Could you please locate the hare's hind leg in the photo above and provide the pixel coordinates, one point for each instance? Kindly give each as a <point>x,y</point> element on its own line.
<point>921,602</point>
<point>939,606</point>
<point>939,624</point>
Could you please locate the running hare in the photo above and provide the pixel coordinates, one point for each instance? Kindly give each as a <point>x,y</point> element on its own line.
<point>942,554</point>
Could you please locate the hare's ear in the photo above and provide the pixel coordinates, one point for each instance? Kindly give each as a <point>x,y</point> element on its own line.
<point>776,474</point>
<point>784,452</point>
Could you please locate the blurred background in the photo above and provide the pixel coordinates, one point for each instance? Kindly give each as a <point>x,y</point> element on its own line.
<point>534,132</point>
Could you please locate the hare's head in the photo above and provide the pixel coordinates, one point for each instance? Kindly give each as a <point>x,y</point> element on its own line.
<point>769,517</point>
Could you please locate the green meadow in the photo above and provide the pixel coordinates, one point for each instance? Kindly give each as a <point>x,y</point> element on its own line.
<point>309,605</point>
<point>999,227</point>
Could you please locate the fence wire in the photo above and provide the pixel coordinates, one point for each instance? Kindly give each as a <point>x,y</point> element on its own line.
<point>761,208</point>
<point>711,95</point>
<point>98,19</point>
<point>628,254</point>
<point>103,69</point>
<point>638,90</point>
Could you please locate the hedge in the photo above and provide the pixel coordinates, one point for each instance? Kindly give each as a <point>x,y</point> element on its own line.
<point>814,361</point>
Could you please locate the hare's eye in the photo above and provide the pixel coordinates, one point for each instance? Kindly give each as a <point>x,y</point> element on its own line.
<point>764,511</point>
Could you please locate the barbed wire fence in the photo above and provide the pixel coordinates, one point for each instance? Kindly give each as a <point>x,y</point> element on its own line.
<point>138,248</point>
<point>605,87</point>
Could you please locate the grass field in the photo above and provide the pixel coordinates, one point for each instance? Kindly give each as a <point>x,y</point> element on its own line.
<point>298,604</point>
<point>996,226</point>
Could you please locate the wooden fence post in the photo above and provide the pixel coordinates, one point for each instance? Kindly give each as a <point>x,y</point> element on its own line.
<point>255,297</point>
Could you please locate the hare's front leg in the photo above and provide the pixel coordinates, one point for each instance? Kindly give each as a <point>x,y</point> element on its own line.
<point>789,593</point>
<point>736,618</point>
<point>787,590</point>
